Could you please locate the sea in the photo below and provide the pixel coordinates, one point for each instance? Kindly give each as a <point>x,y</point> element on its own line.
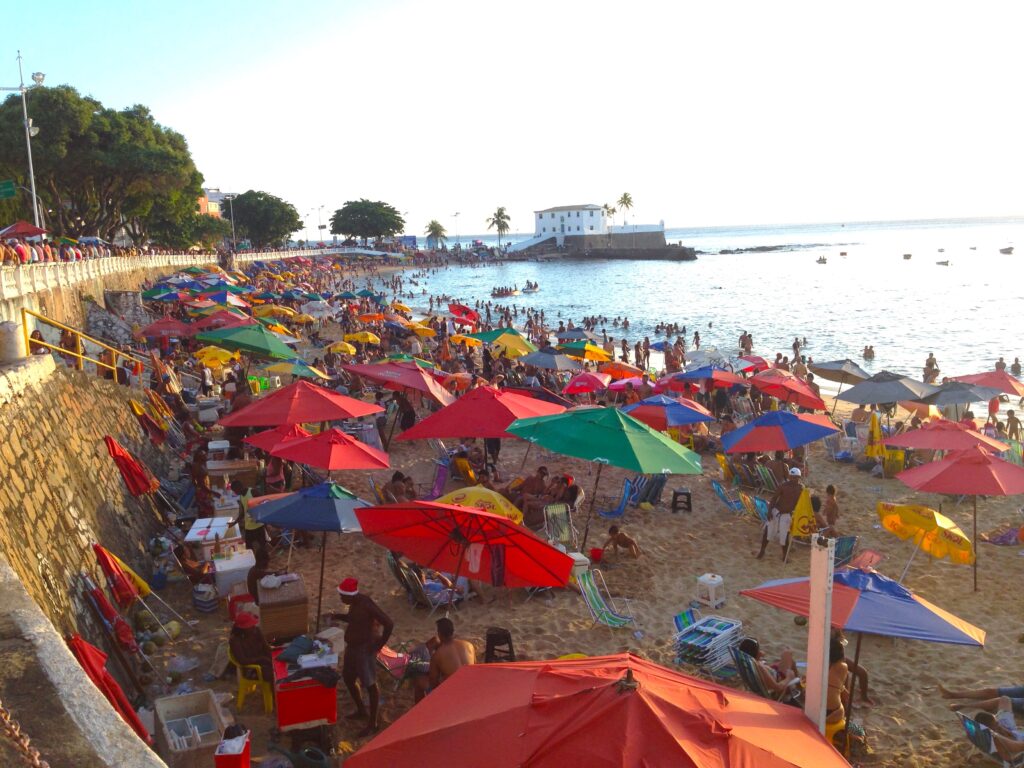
<point>955,296</point>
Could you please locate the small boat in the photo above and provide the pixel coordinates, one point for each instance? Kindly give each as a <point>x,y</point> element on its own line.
<point>942,250</point>
<point>822,260</point>
<point>943,263</point>
<point>531,290</point>
<point>907,256</point>
<point>842,253</point>
<point>1006,251</point>
<point>974,247</point>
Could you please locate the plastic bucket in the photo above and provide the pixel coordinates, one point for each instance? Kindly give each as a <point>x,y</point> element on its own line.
<point>596,554</point>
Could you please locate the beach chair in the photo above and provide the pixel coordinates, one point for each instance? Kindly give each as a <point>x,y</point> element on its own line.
<point>748,504</point>
<point>751,677</point>
<point>558,526</point>
<point>732,502</point>
<point>982,739</point>
<point>603,608</point>
<point>400,666</point>
<point>463,471</point>
<point>845,547</point>
<point>706,643</point>
<point>728,474</point>
<point>767,478</point>
<point>894,462</point>
<point>620,510</point>
<point>639,486</point>
<point>375,490</point>
<point>653,490</point>
<point>250,680</point>
<point>685,619</point>
<point>866,559</point>
<point>421,598</point>
<point>435,488</point>
<point>441,454</point>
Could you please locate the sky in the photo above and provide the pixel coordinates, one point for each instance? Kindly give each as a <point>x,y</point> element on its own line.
<point>706,113</point>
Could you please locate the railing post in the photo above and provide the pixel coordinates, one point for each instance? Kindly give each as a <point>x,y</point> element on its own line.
<point>80,364</point>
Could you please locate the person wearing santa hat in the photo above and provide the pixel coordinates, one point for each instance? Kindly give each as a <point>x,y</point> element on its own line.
<point>362,643</point>
<point>249,646</point>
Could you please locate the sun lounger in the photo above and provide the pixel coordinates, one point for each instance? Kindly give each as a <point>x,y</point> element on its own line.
<point>620,510</point>
<point>603,608</point>
<point>558,526</point>
<point>639,485</point>
<point>726,497</point>
<point>982,739</point>
<point>747,667</point>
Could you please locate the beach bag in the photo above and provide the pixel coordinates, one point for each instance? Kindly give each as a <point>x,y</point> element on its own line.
<point>300,646</point>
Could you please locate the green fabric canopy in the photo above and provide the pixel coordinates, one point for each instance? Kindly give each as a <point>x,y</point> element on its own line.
<point>488,337</point>
<point>254,339</point>
<point>608,436</point>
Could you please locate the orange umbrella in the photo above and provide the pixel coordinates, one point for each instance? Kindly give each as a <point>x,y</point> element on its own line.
<point>138,479</point>
<point>371,317</point>
<point>601,711</point>
<point>619,370</point>
<point>784,386</point>
<point>94,662</point>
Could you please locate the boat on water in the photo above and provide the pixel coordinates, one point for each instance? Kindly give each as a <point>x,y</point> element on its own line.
<point>943,263</point>
<point>531,287</point>
<point>942,250</point>
<point>1006,251</point>
<point>907,256</point>
<point>499,293</point>
<point>530,290</point>
<point>822,260</point>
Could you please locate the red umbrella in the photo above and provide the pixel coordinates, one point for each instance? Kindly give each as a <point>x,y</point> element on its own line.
<point>137,477</point>
<point>332,449</point>
<point>462,311</point>
<point>583,383</point>
<point>755,363</point>
<point>94,662</point>
<point>402,377</point>
<point>299,403</point>
<point>785,386</point>
<point>466,541</point>
<point>481,412</point>
<point>620,385</point>
<point>1000,380</point>
<point>118,626</point>
<point>21,228</point>
<point>945,436</point>
<point>166,326</point>
<point>121,587</point>
<point>599,712</point>
<point>272,438</point>
<point>971,472</point>
<point>221,319</point>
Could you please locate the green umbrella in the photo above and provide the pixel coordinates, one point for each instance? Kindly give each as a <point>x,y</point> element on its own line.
<point>607,436</point>
<point>297,367</point>
<point>488,337</point>
<point>254,339</point>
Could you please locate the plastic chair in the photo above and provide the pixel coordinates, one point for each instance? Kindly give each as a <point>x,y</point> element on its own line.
<point>248,684</point>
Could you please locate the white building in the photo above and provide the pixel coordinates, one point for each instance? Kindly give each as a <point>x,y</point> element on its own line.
<point>565,220</point>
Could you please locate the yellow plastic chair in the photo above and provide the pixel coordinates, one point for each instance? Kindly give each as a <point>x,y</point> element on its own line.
<point>257,684</point>
<point>464,469</point>
<point>831,729</point>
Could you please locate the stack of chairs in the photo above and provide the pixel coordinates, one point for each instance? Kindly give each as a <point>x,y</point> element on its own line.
<point>707,643</point>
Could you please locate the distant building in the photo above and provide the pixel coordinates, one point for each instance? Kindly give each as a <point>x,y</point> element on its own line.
<point>210,202</point>
<point>571,220</point>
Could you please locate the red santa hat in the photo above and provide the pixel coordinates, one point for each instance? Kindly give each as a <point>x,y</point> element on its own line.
<point>349,587</point>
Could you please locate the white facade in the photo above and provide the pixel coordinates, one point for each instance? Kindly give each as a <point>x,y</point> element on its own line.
<point>565,220</point>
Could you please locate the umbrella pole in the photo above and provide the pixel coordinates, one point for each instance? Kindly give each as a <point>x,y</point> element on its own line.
<point>291,548</point>
<point>320,593</point>
<point>912,556</point>
<point>849,708</point>
<point>835,400</point>
<point>526,456</point>
<point>176,614</point>
<point>975,542</point>
<point>590,512</point>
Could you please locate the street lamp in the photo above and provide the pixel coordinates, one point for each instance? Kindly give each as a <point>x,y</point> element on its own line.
<point>231,207</point>
<point>457,230</point>
<point>30,131</point>
<point>320,225</point>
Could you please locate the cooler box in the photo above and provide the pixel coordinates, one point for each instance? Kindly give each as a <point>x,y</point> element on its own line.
<point>284,611</point>
<point>303,703</point>
<point>232,760</point>
<point>205,532</point>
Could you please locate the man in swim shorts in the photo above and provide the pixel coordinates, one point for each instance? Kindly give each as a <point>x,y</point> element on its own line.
<point>780,517</point>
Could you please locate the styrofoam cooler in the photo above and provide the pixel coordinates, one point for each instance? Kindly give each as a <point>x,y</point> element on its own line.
<point>232,760</point>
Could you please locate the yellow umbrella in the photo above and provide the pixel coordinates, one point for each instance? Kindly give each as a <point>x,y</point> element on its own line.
<point>469,341</point>
<point>512,345</point>
<point>422,330</point>
<point>363,336</point>
<point>584,351</point>
<point>274,310</point>
<point>874,448</point>
<point>400,306</point>
<point>215,353</point>
<point>278,328</point>
<point>483,498</point>
<point>342,347</point>
<point>304,319</point>
<point>933,532</point>
<point>296,368</point>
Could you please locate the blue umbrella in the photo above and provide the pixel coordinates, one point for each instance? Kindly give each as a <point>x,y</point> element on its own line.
<point>778,431</point>
<point>660,346</point>
<point>697,374</point>
<point>676,414</point>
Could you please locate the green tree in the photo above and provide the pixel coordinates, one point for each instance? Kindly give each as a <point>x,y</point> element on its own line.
<point>435,231</point>
<point>96,168</point>
<point>263,219</point>
<point>499,221</point>
<point>367,218</point>
<point>625,203</point>
<point>608,210</point>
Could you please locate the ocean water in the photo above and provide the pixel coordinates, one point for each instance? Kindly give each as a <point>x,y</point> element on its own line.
<point>968,313</point>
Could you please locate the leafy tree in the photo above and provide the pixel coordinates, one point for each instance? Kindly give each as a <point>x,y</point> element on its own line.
<point>262,218</point>
<point>499,221</point>
<point>608,210</point>
<point>625,203</point>
<point>435,231</point>
<point>364,219</point>
<point>98,168</point>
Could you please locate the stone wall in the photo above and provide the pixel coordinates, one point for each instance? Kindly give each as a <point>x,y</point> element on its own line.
<point>59,490</point>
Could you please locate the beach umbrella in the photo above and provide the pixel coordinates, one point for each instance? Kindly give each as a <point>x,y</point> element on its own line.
<point>216,354</point>
<point>466,542</point>
<point>297,367</point>
<point>586,382</point>
<point>221,319</point>
<point>787,388</point>
<point>400,307</point>
<point>274,310</point>
<point>608,436</point>
<point>959,393</point>
<point>478,497</point>
<point>705,356</point>
<point>575,334</point>
<point>363,337</point>
<point>944,436</point>
<point>1000,380</point>
<point>332,449</point>
<point>619,370</point>
<point>715,376</point>
<point>166,327</point>
<point>126,586</point>
<point>21,228</point>
<point>778,431</point>
<point>539,393</point>
<point>299,403</point>
<point>267,296</point>
<point>660,412</point>
<point>225,297</point>
<point>469,341</point>
<point>348,296</point>
<point>404,377</point>
<point>94,663</point>
<point>843,371</point>
<point>600,712</point>
<point>137,478</point>
<point>461,310</point>
<point>424,331</point>
<point>271,438</point>
<point>549,359</point>
<point>886,387</point>
<point>371,317</point>
<point>484,412</point>
<point>751,363</point>
<point>366,293</point>
<point>342,347</point>
<point>512,345</point>
<point>488,337</point>
<point>584,350</point>
<point>621,385</point>
<point>458,381</point>
<point>323,507</point>
<point>971,472</point>
<point>933,532</point>
<point>401,357</point>
<point>304,319</point>
<point>253,339</point>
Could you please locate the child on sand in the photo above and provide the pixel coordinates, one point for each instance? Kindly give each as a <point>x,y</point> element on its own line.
<point>618,538</point>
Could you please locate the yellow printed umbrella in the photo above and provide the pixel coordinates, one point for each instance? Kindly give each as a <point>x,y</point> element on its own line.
<point>274,310</point>
<point>469,341</point>
<point>342,348</point>
<point>874,447</point>
<point>212,353</point>
<point>933,532</point>
<point>363,336</point>
<point>422,330</point>
<point>485,499</point>
<point>400,307</point>
<point>584,350</point>
<point>513,345</point>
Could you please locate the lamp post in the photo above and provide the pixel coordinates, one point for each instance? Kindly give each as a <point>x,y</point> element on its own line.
<point>320,226</point>
<point>37,80</point>
<point>457,230</point>
<point>231,206</point>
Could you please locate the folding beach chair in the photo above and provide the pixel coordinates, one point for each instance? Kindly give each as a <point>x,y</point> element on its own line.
<point>845,547</point>
<point>435,488</point>
<point>375,490</point>
<point>982,739</point>
<point>601,605</point>
<point>652,490</point>
<point>558,526</point>
<point>464,472</point>
<point>441,454</point>
<point>726,497</point>
<point>619,511</point>
<point>767,477</point>
<point>685,619</point>
<point>639,486</point>
<point>400,666</point>
<point>706,642</point>
<point>751,676</point>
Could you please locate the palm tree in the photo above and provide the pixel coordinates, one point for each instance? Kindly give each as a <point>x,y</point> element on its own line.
<point>435,231</point>
<point>499,220</point>
<point>625,203</point>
